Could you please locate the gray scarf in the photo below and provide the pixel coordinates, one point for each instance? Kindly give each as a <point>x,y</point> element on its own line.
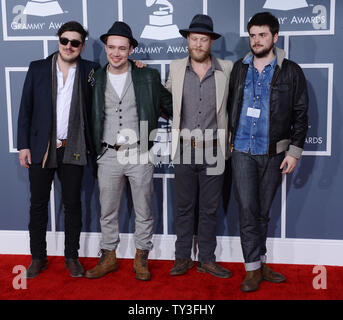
<point>75,150</point>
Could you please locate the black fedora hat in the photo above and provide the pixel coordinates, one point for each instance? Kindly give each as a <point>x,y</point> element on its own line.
<point>122,29</point>
<point>201,23</point>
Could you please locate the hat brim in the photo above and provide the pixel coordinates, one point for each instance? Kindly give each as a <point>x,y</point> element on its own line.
<point>185,32</point>
<point>133,41</point>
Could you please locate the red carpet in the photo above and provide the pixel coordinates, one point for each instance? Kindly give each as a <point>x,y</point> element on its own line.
<point>56,284</point>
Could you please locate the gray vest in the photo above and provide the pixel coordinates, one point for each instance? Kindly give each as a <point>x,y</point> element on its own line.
<point>120,112</point>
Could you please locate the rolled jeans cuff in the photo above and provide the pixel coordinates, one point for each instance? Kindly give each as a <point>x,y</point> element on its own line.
<point>251,266</point>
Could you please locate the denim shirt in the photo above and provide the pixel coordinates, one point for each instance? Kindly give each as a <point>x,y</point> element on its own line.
<point>253,127</point>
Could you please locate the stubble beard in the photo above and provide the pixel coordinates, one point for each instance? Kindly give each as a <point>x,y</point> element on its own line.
<point>263,53</point>
<point>199,57</point>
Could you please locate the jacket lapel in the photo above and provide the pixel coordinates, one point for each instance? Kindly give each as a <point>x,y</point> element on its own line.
<point>221,86</point>
<point>178,82</point>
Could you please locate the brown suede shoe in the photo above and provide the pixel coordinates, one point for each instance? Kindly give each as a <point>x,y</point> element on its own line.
<point>214,269</point>
<point>36,266</point>
<point>140,265</point>
<point>107,263</point>
<point>252,280</point>
<point>181,266</point>
<point>270,275</point>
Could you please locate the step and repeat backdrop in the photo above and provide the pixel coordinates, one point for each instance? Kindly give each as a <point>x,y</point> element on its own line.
<point>306,216</point>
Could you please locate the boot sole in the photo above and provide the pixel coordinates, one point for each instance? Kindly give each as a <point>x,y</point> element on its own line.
<point>138,278</point>
<point>223,276</point>
<point>101,276</point>
<point>274,281</point>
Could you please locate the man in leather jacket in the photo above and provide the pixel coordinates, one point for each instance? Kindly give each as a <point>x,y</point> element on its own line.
<point>127,102</point>
<point>268,105</point>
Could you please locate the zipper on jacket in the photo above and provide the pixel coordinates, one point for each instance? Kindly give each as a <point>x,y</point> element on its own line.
<point>276,73</point>
<point>236,120</point>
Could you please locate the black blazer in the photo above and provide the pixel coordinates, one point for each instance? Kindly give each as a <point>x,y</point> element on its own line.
<point>35,114</point>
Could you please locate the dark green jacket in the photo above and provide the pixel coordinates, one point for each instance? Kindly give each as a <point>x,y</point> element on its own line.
<point>152,100</point>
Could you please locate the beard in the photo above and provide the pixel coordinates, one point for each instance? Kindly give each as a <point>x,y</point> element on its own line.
<point>262,53</point>
<point>199,57</point>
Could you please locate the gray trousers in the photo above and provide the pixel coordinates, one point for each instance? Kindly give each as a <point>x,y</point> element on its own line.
<point>112,178</point>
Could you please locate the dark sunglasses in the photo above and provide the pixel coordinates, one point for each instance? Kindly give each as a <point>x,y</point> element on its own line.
<point>74,43</point>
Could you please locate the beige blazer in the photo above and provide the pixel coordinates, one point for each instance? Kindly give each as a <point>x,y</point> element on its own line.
<point>175,85</point>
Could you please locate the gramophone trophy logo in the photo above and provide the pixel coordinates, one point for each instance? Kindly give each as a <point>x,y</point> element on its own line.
<point>285,5</point>
<point>39,19</point>
<point>296,17</point>
<point>161,25</point>
<point>42,8</point>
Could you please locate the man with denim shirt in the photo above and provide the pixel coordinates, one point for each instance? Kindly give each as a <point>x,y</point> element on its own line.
<point>268,105</point>
<point>252,131</point>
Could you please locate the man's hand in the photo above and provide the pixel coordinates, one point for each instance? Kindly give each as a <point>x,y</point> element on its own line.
<point>139,64</point>
<point>288,164</point>
<point>25,157</point>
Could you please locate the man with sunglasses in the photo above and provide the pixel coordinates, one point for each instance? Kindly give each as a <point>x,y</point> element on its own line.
<point>53,137</point>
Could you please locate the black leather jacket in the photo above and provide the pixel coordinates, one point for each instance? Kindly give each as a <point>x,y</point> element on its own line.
<point>288,120</point>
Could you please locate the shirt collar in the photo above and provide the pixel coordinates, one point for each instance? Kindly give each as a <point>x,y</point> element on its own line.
<point>214,64</point>
<point>250,60</point>
<point>58,68</point>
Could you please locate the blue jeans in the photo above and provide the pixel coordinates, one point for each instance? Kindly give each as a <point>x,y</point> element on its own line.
<point>256,179</point>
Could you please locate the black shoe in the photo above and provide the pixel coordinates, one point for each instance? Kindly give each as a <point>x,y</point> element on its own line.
<point>181,266</point>
<point>36,266</point>
<point>214,269</point>
<point>75,268</point>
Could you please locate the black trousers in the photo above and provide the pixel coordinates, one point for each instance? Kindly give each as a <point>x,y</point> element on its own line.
<point>41,179</point>
<point>196,190</point>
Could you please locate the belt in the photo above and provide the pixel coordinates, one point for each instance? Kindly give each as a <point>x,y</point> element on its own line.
<point>199,144</point>
<point>118,146</point>
<point>61,143</point>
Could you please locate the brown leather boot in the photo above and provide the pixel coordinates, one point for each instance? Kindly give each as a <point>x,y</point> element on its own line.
<point>252,280</point>
<point>107,263</point>
<point>140,265</point>
<point>270,275</point>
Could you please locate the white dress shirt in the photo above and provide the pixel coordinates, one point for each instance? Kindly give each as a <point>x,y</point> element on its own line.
<point>64,95</point>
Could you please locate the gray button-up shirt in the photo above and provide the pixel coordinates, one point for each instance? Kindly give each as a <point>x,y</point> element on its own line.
<point>199,99</point>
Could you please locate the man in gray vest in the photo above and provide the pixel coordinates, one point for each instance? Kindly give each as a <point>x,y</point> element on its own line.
<point>127,103</point>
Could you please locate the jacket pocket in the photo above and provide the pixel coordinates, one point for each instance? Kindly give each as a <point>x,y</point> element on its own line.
<point>282,87</point>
